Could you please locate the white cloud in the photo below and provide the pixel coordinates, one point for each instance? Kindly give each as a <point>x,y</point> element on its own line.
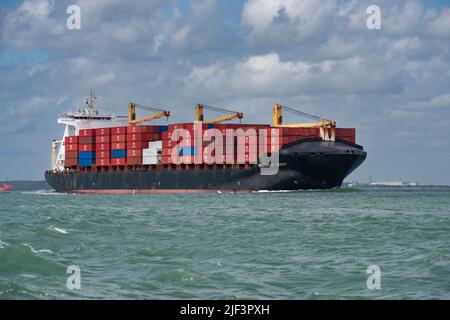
<point>434,104</point>
<point>268,75</point>
<point>441,25</point>
<point>180,38</point>
<point>307,17</point>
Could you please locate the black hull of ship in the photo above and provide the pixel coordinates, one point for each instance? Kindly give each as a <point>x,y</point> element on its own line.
<point>313,164</point>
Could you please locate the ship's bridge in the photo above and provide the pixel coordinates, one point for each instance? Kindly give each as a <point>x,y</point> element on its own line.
<point>86,118</point>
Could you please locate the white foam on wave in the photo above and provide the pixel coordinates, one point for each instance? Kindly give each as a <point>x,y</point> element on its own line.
<point>37,251</point>
<point>275,191</point>
<point>2,244</point>
<point>43,192</point>
<point>56,229</point>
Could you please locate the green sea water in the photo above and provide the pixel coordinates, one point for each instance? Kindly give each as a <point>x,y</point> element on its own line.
<point>278,245</point>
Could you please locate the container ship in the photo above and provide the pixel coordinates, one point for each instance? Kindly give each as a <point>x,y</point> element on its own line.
<point>109,154</point>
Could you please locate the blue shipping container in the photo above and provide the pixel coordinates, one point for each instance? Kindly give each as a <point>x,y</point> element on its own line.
<point>210,125</point>
<point>86,162</point>
<point>187,151</point>
<point>87,155</point>
<point>118,153</point>
<point>163,128</point>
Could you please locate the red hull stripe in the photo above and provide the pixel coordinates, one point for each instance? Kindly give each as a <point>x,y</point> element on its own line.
<point>151,191</point>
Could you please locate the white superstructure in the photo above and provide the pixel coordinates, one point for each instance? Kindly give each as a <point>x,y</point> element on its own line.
<point>87,118</point>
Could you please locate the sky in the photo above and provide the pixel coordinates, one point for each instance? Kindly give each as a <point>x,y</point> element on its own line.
<point>318,56</point>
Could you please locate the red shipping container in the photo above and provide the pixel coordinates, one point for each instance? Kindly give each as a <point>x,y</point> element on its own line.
<point>156,136</point>
<point>228,126</point>
<point>71,147</point>
<point>119,130</point>
<point>71,155</point>
<point>87,132</point>
<point>102,162</point>
<point>142,129</point>
<point>314,132</point>
<point>166,159</point>
<point>118,138</point>
<point>133,153</point>
<point>86,140</point>
<point>135,137</point>
<point>272,148</point>
<point>103,131</point>
<point>166,151</point>
<point>177,126</point>
<point>71,140</point>
<point>102,147</point>
<point>134,160</point>
<point>187,159</point>
<point>118,161</point>
<point>103,139</point>
<point>118,146</point>
<point>71,162</point>
<point>86,147</point>
<point>103,154</point>
<point>153,129</point>
<point>135,145</point>
<point>246,158</point>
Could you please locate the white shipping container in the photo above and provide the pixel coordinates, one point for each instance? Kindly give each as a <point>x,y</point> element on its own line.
<point>149,152</point>
<point>149,160</point>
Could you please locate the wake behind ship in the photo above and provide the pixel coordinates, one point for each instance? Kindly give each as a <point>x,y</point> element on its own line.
<point>119,155</point>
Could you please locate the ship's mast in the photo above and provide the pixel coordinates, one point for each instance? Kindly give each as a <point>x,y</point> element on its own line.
<point>91,104</point>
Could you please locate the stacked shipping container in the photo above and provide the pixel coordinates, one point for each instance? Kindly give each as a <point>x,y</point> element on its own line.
<point>138,139</point>
<point>118,146</point>
<point>86,148</point>
<point>148,145</point>
<point>236,150</point>
<point>71,151</point>
<point>348,134</point>
<point>103,147</point>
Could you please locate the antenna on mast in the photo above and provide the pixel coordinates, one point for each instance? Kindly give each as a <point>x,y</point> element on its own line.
<point>91,104</point>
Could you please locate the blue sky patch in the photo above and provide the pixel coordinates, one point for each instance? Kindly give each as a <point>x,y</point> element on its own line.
<point>9,57</point>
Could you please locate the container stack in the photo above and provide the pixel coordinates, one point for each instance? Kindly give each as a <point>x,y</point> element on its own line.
<point>118,146</point>
<point>71,151</point>
<point>242,152</point>
<point>348,134</point>
<point>151,145</point>
<point>238,151</point>
<point>86,148</point>
<point>103,147</point>
<point>142,144</point>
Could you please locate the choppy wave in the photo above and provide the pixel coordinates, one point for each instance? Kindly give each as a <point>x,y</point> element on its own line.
<point>56,229</point>
<point>275,244</point>
<point>37,251</point>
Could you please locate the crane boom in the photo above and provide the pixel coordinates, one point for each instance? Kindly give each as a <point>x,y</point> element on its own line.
<point>132,121</point>
<point>200,117</point>
<point>278,119</point>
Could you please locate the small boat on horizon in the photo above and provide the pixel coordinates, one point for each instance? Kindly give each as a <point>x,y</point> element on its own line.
<point>6,188</point>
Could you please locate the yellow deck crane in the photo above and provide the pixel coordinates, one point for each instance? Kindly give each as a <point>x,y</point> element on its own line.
<point>132,121</point>
<point>232,114</point>
<point>327,127</point>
